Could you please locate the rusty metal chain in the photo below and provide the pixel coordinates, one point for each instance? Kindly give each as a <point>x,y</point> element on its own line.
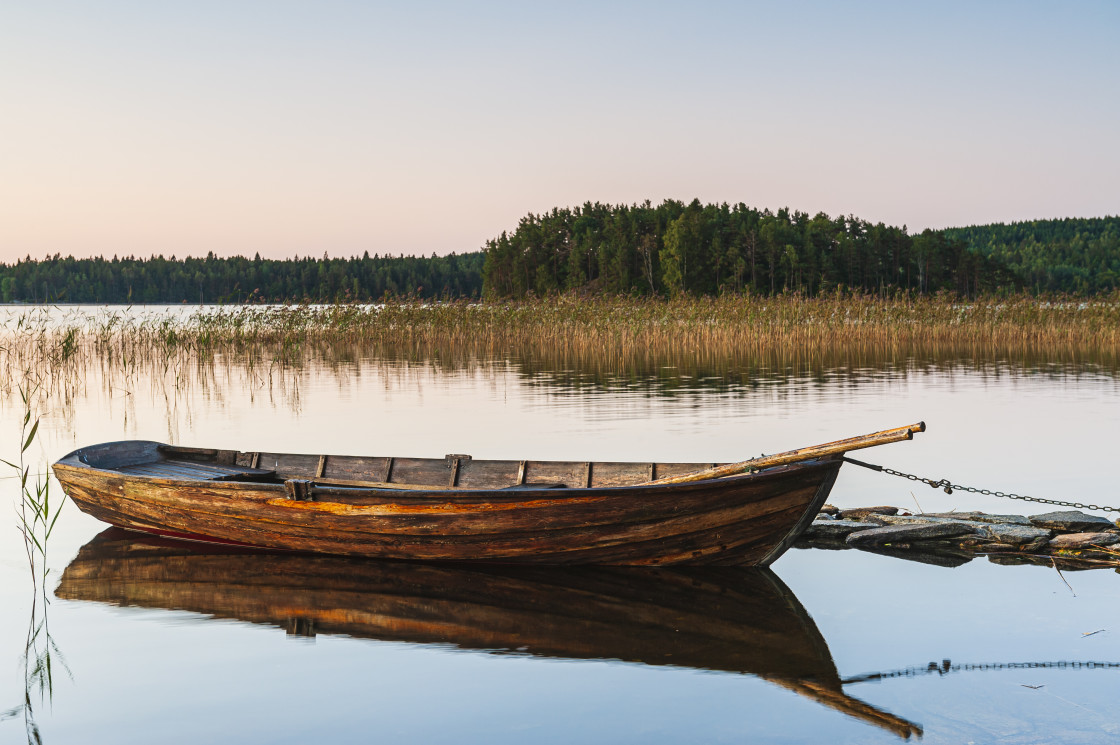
<point>949,487</point>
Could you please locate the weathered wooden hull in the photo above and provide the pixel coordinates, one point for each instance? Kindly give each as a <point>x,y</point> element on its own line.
<point>741,520</point>
<point>738,620</point>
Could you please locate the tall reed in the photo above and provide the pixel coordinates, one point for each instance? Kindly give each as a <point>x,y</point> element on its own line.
<point>37,516</point>
<point>620,334</point>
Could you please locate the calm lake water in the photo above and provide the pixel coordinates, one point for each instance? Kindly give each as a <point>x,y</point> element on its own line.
<point>157,642</point>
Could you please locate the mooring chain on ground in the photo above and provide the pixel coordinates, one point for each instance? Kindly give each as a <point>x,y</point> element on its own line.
<point>950,487</point>
<point>945,667</point>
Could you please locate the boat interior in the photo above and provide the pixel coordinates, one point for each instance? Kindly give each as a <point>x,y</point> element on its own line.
<point>453,471</point>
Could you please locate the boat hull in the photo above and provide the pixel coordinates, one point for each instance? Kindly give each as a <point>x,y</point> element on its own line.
<point>741,520</point>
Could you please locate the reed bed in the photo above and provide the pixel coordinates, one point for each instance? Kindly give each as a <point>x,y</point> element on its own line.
<point>610,337</point>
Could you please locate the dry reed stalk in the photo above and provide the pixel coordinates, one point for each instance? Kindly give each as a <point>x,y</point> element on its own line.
<point>724,336</point>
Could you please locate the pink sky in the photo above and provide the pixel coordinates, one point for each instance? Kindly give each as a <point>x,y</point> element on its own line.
<point>344,127</point>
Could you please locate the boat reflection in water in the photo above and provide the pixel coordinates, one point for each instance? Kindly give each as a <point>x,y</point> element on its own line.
<point>735,620</point>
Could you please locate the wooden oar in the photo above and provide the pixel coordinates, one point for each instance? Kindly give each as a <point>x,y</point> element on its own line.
<point>793,456</point>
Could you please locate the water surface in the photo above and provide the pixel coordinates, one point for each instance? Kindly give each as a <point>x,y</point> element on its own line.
<point>188,647</point>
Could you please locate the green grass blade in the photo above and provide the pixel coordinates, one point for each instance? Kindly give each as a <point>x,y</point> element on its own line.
<point>30,437</point>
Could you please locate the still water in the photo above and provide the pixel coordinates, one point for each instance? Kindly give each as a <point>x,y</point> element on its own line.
<point>155,641</point>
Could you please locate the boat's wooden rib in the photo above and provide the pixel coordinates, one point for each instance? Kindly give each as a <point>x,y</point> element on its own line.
<point>731,620</point>
<point>455,508</point>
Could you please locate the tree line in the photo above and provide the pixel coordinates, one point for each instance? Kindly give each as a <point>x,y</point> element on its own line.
<point>237,279</point>
<point>1077,255</point>
<point>676,248</point>
<point>668,249</point>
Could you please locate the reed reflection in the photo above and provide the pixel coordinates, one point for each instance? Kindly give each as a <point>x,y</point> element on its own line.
<point>174,382</point>
<point>742,621</point>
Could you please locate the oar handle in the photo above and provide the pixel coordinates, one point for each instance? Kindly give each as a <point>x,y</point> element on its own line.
<point>793,456</point>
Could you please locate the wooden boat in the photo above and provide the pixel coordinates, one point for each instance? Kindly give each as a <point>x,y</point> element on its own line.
<point>461,509</point>
<point>721,619</point>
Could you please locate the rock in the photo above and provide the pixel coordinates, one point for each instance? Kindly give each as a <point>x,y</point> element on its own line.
<point>860,512</point>
<point>1071,521</point>
<point>907,533</point>
<point>835,528</point>
<point>981,517</point>
<point>1015,534</point>
<point>829,509</point>
<point>1083,540</point>
<point>1038,544</point>
<point>922,520</point>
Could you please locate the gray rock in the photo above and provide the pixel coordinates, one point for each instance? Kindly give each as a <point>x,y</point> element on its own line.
<point>1015,534</point>
<point>923,520</point>
<point>1071,521</point>
<point>1083,540</point>
<point>858,513</point>
<point>835,528</point>
<point>981,517</point>
<point>907,533</point>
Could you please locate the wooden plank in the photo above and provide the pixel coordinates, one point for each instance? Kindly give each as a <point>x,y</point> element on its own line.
<point>619,474</point>
<point>571,473</point>
<point>454,479</point>
<point>838,447</point>
<point>321,467</point>
<point>487,474</point>
<point>674,469</point>
<point>362,468</point>
<point>388,485</point>
<point>419,471</point>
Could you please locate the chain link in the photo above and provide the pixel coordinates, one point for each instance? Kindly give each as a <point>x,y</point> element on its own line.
<point>945,666</point>
<point>950,487</point>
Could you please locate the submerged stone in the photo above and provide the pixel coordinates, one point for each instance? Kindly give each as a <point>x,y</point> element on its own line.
<point>907,533</point>
<point>1071,521</point>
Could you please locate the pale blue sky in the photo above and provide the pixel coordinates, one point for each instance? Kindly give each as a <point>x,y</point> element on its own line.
<point>304,127</point>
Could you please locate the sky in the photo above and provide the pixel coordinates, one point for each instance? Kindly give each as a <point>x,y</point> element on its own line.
<point>301,128</point>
